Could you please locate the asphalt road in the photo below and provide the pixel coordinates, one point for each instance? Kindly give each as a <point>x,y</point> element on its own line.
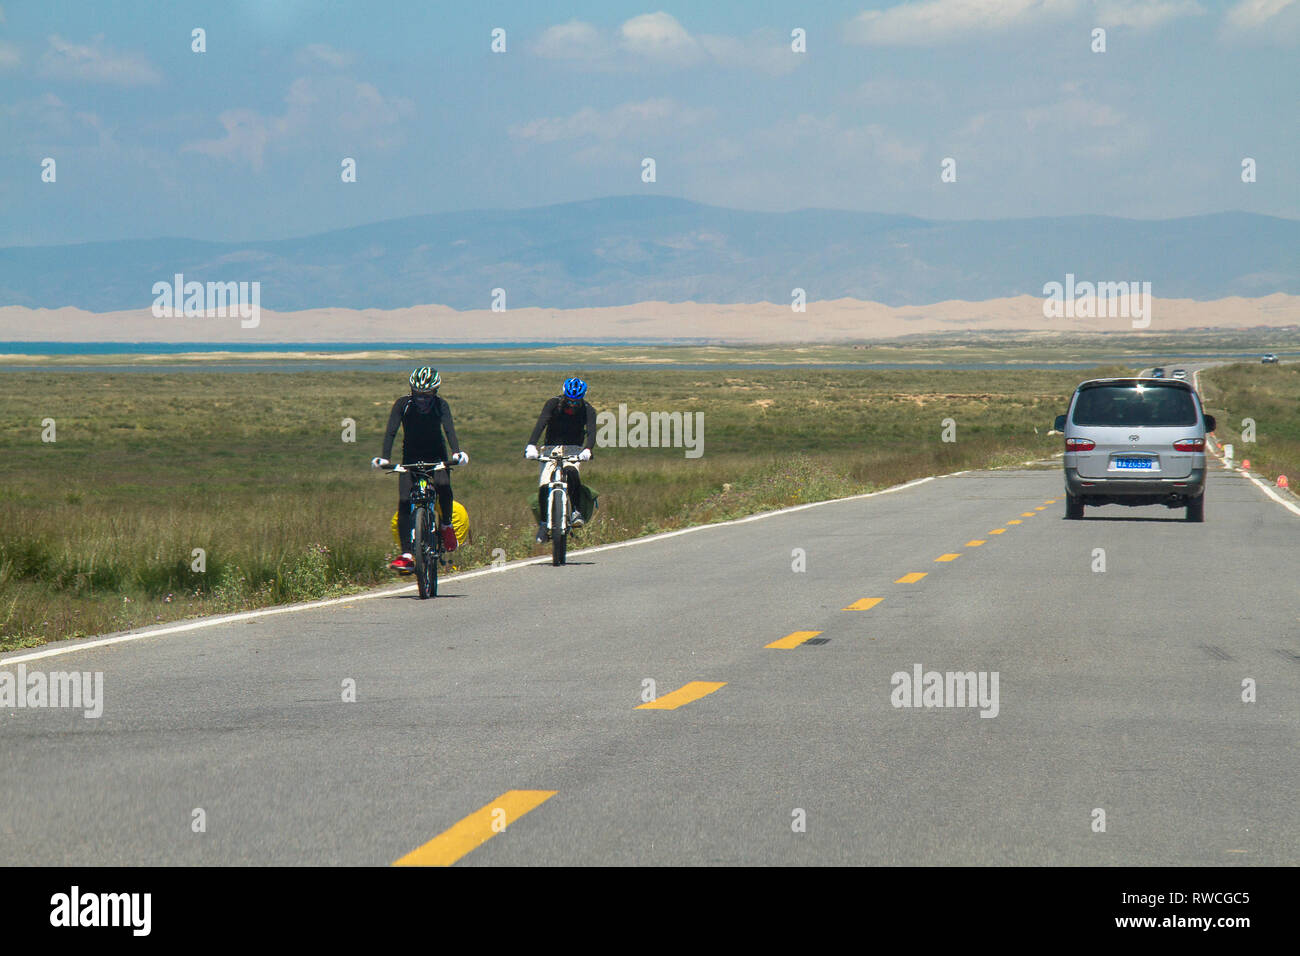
<point>1118,690</point>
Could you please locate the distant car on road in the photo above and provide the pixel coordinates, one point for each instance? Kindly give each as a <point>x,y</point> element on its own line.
<point>1180,373</point>
<point>1131,441</point>
<point>1157,372</point>
<point>1269,359</point>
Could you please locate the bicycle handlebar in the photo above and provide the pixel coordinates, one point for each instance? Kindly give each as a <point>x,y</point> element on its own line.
<point>557,454</point>
<point>398,469</point>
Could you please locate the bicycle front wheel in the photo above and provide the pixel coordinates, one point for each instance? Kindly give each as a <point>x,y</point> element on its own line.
<point>426,556</point>
<point>559,538</point>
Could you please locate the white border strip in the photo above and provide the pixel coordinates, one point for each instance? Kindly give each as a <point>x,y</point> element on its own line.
<point>1268,490</point>
<point>1261,485</point>
<point>168,629</point>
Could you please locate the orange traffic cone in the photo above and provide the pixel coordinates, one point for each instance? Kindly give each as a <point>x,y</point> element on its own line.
<point>1281,481</point>
<point>1245,465</point>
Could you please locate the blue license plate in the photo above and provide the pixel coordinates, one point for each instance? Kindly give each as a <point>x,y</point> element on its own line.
<point>1136,464</point>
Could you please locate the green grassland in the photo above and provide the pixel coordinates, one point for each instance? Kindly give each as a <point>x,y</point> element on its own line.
<point>97,528</point>
<point>1268,394</point>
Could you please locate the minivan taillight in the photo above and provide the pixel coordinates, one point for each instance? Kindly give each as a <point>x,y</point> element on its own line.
<point>1190,444</point>
<point>1079,444</point>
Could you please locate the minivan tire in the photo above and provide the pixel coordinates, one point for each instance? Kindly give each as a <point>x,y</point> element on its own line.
<point>1196,508</point>
<point>1074,507</point>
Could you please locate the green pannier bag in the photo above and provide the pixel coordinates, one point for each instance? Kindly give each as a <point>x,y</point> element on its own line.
<point>588,502</point>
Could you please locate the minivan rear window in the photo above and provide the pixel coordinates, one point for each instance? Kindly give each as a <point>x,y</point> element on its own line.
<point>1136,404</point>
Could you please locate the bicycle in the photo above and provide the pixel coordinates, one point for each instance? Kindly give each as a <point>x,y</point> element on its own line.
<point>427,548</point>
<point>558,509</point>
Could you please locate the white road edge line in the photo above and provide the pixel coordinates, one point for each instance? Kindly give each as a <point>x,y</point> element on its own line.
<point>167,629</point>
<point>1263,486</point>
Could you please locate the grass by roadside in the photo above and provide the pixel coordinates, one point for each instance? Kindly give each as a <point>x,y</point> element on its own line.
<point>1269,395</point>
<point>98,528</point>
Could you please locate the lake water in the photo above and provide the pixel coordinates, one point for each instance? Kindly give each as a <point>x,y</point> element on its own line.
<point>397,365</point>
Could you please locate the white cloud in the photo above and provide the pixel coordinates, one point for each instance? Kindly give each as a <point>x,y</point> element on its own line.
<point>924,22</point>
<point>574,40</point>
<point>658,36</point>
<point>1031,135</point>
<point>658,40</point>
<point>315,108</point>
<point>1144,14</point>
<point>47,126</point>
<point>1074,112</point>
<point>765,51</point>
<point>888,91</point>
<point>839,145</point>
<point>94,63</point>
<point>9,56</point>
<point>927,22</point>
<point>324,53</point>
<point>1249,14</point>
<point>645,117</point>
<point>1272,22</point>
<point>247,133</point>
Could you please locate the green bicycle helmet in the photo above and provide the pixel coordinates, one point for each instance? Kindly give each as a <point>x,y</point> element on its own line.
<point>425,379</point>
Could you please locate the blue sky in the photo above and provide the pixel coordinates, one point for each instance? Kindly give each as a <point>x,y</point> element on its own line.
<point>245,141</point>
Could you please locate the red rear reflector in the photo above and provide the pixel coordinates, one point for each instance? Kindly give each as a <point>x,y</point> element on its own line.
<point>1190,444</point>
<point>1081,444</point>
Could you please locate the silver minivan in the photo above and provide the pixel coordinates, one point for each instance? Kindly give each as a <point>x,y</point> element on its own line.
<point>1135,441</point>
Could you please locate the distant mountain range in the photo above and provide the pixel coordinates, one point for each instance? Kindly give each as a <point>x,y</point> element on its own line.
<point>622,250</point>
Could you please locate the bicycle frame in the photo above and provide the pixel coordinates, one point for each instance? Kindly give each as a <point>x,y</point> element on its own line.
<point>422,493</point>
<point>430,551</point>
<point>558,484</point>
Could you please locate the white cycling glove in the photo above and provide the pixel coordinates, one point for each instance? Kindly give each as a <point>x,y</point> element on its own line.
<point>531,452</point>
<point>585,455</point>
<point>378,462</point>
<point>460,458</point>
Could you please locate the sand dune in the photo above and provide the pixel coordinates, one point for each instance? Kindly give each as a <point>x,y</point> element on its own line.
<point>840,320</point>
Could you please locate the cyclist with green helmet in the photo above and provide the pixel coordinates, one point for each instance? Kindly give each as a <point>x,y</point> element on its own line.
<point>423,417</point>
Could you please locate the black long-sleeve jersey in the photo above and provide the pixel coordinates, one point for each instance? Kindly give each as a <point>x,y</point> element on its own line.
<point>566,423</point>
<point>423,419</point>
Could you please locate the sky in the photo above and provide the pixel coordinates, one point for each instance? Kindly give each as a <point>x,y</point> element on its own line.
<point>246,140</point>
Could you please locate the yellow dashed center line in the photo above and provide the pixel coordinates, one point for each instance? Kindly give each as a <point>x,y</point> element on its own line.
<point>974,544</point>
<point>476,829</point>
<point>1041,508</point>
<point>948,557</point>
<point>998,531</point>
<point>692,691</point>
<point>1050,501</point>
<point>864,604</point>
<point>1026,514</point>
<point>791,640</point>
<point>1014,521</point>
<point>912,578</point>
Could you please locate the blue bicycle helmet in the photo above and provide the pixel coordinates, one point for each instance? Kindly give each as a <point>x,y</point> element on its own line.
<point>574,388</point>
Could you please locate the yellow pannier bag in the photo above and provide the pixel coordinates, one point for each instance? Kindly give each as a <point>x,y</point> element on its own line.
<point>459,521</point>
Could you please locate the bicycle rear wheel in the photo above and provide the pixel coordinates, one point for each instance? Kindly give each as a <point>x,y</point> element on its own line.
<point>559,539</point>
<point>426,556</point>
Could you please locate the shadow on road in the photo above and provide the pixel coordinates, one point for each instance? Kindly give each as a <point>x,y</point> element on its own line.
<point>1123,518</point>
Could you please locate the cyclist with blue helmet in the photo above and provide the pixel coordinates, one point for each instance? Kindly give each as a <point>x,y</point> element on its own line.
<point>567,419</point>
<point>423,416</point>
